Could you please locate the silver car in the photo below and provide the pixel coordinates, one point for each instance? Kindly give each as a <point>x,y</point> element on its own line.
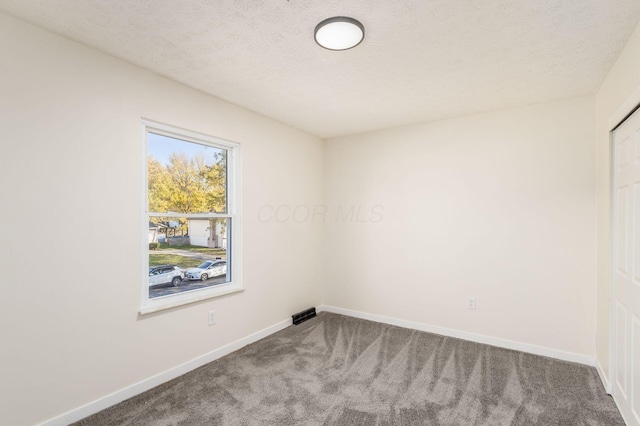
<point>208,269</point>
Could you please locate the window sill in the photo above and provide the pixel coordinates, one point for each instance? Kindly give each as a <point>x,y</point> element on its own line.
<point>161,304</point>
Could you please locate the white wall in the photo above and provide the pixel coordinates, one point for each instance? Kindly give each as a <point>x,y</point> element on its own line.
<point>72,154</point>
<point>500,206</point>
<point>618,95</point>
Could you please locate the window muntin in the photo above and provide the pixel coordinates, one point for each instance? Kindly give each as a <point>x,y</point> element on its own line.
<point>191,209</point>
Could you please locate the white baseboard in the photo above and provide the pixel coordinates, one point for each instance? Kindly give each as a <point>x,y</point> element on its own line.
<point>605,382</point>
<point>146,384</point>
<point>473,337</point>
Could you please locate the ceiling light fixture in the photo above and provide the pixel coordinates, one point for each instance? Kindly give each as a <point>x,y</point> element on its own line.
<point>339,33</point>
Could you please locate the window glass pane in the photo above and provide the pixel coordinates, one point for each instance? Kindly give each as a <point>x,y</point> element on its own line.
<point>187,254</point>
<point>185,177</point>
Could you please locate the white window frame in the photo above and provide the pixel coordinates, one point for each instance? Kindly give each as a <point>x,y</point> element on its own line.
<point>148,305</point>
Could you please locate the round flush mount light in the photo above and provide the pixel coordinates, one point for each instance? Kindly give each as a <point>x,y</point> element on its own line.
<point>339,33</point>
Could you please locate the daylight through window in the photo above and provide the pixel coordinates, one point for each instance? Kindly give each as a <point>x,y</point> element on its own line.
<point>191,212</point>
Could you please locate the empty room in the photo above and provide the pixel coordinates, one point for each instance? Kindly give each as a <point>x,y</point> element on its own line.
<point>296,212</point>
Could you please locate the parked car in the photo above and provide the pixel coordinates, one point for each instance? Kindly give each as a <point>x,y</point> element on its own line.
<point>210,268</point>
<point>165,274</point>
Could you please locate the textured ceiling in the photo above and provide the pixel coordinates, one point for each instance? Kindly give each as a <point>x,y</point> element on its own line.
<point>421,60</point>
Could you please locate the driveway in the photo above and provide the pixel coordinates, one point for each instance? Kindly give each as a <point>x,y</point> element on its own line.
<point>158,291</point>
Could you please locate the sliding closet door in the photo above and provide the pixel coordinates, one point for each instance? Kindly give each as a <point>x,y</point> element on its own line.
<point>626,264</point>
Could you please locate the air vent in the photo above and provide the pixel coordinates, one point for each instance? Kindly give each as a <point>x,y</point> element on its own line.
<point>303,316</point>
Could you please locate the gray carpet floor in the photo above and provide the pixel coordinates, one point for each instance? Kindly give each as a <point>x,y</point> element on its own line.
<point>337,370</point>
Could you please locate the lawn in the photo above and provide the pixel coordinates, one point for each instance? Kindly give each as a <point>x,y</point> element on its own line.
<point>216,252</point>
<point>184,262</point>
<point>156,257</point>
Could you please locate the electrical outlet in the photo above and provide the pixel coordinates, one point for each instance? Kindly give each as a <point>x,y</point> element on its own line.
<point>212,317</point>
<point>471,303</point>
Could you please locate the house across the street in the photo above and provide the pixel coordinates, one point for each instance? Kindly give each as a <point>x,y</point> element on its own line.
<point>207,232</point>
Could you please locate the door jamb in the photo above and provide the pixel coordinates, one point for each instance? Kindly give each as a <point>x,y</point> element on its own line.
<point>612,260</point>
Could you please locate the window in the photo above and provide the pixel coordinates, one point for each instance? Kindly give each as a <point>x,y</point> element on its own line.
<point>191,208</point>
